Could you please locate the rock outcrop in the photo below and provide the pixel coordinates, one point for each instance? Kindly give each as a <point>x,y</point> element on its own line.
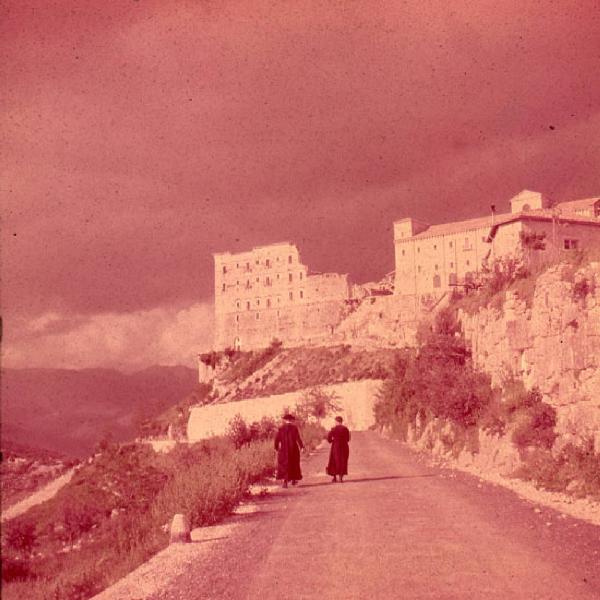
<point>550,341</point>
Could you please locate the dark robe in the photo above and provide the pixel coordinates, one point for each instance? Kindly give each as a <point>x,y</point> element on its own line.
<point>338,437</point>
<point>288,444</point>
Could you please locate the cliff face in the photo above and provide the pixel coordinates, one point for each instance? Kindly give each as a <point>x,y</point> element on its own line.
<point>552,341</point>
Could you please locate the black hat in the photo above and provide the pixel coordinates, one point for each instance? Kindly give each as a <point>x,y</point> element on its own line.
<point>339,419</point>
<point>288,417</point>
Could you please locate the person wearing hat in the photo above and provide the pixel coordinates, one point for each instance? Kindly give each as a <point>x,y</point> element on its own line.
<point>288,445</point>
<point>338,437</point>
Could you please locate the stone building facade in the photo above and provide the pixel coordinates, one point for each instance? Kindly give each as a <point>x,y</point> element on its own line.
<point>432,259</point>
<point>268,293</point>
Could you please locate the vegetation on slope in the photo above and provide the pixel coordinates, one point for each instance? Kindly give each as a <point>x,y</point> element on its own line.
<point>277,371</point>
<point>510,274</point>
<point>24,470</point>
<point>114,514</point>
<point>439,381</point>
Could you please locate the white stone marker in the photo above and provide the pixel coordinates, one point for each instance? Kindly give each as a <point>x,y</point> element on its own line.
<point>180,530</point>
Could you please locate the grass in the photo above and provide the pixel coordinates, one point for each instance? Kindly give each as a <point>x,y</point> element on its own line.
<point>111,517</point>
<point>299,368</point>
<point>115,512</point>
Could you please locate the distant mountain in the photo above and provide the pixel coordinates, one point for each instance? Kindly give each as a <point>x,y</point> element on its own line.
<point>68,411</point>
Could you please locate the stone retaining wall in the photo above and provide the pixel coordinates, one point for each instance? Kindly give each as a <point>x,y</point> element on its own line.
<point>356,399</point>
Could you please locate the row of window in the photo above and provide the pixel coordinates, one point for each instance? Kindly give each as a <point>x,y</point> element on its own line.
<point>569,244</point>
<point>268,281</point>
<point>436,267</point>
<point>267,263</point>
<point>237,317</point>
<point>467,246</point>
<point>238,303</point>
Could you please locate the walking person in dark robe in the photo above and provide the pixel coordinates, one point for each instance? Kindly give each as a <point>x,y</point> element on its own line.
<point>288,445</point>
<point>338,437</point>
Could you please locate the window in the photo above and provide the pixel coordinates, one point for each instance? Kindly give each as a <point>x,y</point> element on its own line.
<point>257,316</point>
<point>237,318</point>
<point>434,247</point>
<point>301,294</point>
<point>258,302</point>
<point>237,283</point>
<point>291,295</point>
<point>224,269</point>
<point>247,266</point>
<point>437,281</point>
<point>451,244</point>
<point>290,277</point>
<point>247,284</point>
<point>237,265</point>
<point>418,249</point>
<point>277,275</point>
<point>570,244</point>
<point>237,304</point>
<point>223,288</point>
<point>403,252</point>
<point>268,263</point>
<point>257,262</point>
<point>468,263</point>
<point>436,267</point>
<point>268,302</point>
<point>452,279</point>
<point>484,239</point>
<point>452,265</point>
<point>248,305</point>
<point>290,260</point>
<point>419,269</point>
<point>300,274</point>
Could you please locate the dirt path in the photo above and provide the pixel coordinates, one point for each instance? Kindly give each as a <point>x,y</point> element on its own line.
<point>396,529</point>
<point>43,494</point>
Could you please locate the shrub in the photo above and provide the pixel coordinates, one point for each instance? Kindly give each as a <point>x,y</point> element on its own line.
<point>575,470</point>
<point>241,434</point>
<point>316,404</point>
<point>112,512</point>
<point>439,381</point>
<point>582,288</point>
<point>533,419</point>
<point>20,537</point>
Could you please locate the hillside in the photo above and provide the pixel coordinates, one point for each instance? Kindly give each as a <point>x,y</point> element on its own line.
<point>278,370</point>
<point>69,411</point>
<point>24,470</point>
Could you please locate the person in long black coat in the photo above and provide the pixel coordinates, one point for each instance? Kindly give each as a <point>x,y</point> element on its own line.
<point>288,445</point>
<point>338,437</point>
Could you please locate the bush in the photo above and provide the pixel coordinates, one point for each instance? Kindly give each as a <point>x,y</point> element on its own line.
<point>582,288</point>
<point>438,382</point>
<point>575,470</point>
<point>533,420</point>
<point>316,404</point>
<point>241,434</point>
<point>109,518</point>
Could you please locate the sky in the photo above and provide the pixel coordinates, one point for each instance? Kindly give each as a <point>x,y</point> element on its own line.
<point>139,137</point>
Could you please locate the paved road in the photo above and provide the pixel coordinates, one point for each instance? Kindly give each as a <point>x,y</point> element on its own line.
<point>398,529</point>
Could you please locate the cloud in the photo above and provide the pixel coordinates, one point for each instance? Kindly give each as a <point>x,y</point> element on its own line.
<point>164,336</point>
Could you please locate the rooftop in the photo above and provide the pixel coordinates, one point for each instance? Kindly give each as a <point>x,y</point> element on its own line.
<point>565,211</point>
